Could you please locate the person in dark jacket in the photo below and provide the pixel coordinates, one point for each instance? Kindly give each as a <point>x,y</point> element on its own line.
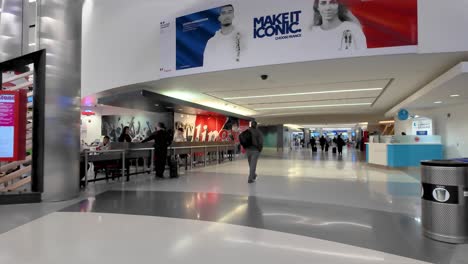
<point>340,143</point>
<point>323,142</point>
<point>162,140</point>
<point>312,142</point>
<point>125,136</point>
<point>253,152</point>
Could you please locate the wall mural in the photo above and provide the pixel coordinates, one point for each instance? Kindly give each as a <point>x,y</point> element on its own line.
<point>201,128</point>
<point>141,126</point>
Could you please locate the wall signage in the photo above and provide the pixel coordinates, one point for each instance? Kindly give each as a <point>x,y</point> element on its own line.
<point>13,110</point>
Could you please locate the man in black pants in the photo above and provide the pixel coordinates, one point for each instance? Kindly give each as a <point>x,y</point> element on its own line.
<point>162,141</point>
<point>322,141</point>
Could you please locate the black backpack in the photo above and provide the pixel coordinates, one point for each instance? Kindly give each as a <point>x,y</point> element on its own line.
<point>245,138</point>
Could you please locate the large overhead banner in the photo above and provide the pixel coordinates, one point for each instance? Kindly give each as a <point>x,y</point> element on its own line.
<point>240,33</point>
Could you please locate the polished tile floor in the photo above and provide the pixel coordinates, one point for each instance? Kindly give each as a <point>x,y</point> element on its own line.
<point>304,209</point>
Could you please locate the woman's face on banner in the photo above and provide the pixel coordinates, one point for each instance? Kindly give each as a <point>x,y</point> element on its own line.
<point>328,9</point>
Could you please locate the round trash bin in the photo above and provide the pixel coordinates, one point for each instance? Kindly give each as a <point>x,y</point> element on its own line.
<point>445,200</point>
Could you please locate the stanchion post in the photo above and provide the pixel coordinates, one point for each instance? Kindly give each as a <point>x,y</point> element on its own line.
<point>86,167</point>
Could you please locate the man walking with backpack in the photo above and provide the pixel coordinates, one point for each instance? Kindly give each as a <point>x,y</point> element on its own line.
<point>252,141</point>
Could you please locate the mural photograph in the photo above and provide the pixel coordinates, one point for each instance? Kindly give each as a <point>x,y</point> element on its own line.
<point>202,128</point>
<point>140,126</point>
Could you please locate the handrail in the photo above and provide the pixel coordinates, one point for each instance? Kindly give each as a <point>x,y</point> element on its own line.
<point>17,77</point>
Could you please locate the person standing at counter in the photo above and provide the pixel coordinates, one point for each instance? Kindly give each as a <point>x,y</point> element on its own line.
<point>125,136</point>
<point>162,140</point>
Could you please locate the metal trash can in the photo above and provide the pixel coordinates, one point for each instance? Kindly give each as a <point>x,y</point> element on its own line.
<point>445,200</point>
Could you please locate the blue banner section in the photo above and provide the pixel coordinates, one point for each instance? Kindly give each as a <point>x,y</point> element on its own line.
<point>192,34</point>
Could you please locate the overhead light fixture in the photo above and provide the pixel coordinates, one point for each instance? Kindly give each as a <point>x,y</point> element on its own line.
<point>32,1</point>
<point>32,44</point>
<point>180,109</point>
<point>387,122</point>
<point>156,105</point>
<point>292,126</point>
<point>454,95</point>
<point>286,114</point>
<point>416,116</point>
<point>311,106</point>
<point>438,102</point>
<point>307,93</point>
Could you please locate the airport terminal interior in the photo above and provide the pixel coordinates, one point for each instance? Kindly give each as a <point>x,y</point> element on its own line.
<point>233,131</point>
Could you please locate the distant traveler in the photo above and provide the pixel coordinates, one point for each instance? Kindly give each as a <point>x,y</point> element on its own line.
<point>334,144</point>
<point>252,141</point>
<point>323,142</point>
<point>125,136</point>
<point>340,143</point>
<point>225,46</point>
<point>162,140</point>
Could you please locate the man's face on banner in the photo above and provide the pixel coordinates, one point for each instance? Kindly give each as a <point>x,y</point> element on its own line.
<point>226,15</point>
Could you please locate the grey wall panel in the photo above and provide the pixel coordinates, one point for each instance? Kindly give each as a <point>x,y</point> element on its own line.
<point>59,27</point>
<point>11,29</point>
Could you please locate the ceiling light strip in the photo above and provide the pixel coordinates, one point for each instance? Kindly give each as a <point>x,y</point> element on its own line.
<point>311,106</point>
<point>307,93</point>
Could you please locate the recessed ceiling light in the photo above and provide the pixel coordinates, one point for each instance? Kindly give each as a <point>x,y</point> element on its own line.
<point>156,105</point>
<point>312,106</point>
<point>32,44</point>
<point>32,1</point>
<point>308,93</point>
<point>438,102</point>
<point>454,95</point>
<point>387,122</point>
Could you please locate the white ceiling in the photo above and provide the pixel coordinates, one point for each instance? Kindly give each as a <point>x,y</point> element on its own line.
<point>408,73</point>
<point>447,89</point>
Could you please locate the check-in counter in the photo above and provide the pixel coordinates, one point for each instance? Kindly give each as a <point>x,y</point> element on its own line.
<point>403,151</point>
<point>128,153</point>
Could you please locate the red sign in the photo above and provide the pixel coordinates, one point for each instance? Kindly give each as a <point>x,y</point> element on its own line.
<point>13,110</point>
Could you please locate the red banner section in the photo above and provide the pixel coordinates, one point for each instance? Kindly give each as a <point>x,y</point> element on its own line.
<point>202,128</point>
<point>13,110</point>
<point>386,23</point>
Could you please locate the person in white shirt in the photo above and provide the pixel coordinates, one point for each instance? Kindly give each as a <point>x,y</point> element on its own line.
<point>105,144</point>
<point>336,28</point>
<point>225,46</point>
